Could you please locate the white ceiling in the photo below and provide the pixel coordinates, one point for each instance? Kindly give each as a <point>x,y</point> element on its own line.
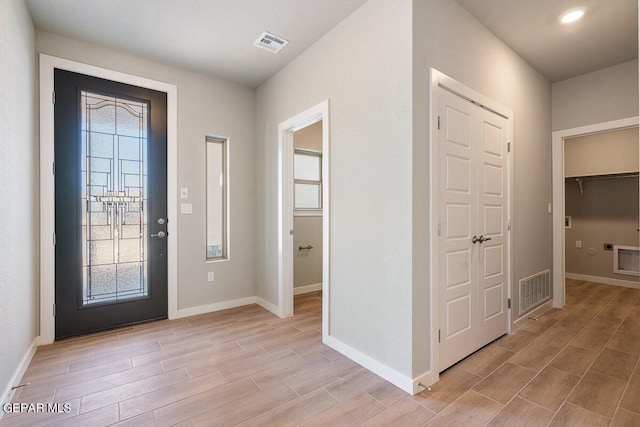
<point>607,34</point>
<point>216,37</point>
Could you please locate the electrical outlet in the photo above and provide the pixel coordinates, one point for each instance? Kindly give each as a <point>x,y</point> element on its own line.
<point>210,276</point>
<point>578,244</point>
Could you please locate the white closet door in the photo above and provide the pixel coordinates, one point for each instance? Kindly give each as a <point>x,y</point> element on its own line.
<point>472,243</point>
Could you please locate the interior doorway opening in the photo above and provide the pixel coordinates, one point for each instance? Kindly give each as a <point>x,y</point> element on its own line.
<point>559,196</point>
<point>311,191</point>
<point>307,209</point>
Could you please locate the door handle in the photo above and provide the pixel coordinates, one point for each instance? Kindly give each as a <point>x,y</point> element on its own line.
<point>483,239</point>
<point>475,239</point>
<point>160,235</point>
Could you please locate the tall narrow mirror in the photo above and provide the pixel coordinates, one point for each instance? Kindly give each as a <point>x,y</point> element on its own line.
<point>216,149</point>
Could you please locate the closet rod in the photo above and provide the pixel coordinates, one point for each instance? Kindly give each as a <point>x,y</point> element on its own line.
<point>613,176</point>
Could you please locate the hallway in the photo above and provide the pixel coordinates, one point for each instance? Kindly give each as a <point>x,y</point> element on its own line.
<point>244,366</point>
<point>572,367</point>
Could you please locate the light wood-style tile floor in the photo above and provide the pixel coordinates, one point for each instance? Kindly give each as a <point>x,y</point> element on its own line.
<point>572,367</point>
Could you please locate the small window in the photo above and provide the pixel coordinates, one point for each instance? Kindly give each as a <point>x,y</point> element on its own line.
<point>307,172</point>
<point>216,153</point>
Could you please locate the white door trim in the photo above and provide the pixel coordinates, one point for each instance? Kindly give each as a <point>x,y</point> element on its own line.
<point>439,79</point>
<point>285,208</point>
<point>557,161</point>
<point>47,202</point>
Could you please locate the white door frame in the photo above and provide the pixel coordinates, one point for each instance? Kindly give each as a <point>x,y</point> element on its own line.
<point>285,208</point>
<point>439,79</point>
<point>557,160</point>
<point>47,201</point>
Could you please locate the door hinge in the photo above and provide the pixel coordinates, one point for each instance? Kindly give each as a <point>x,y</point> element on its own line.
<point>439,228</point>
<point>509,303</point>
<point>291,232</point>
<point>53,168</point>
<point>54,310</point>
<point>508,225</point>
<point>508,147</point>
<point>438,335</point>
<point>54,239</point>
<point>53,97</point>
<point>438,122</point>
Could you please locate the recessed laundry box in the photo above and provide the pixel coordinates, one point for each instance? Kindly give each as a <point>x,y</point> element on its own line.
<point>626,260</point>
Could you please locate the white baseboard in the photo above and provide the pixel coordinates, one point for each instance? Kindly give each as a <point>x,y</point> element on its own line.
<point>389,374</point>
<point>208,308</point>
<point>603,280</point>
<point>307,289</point>
<point>7,393</point>
<point>268,306</point>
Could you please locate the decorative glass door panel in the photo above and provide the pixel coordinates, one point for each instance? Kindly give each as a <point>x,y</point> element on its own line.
<point>111,204</point>
<point>114,187</point>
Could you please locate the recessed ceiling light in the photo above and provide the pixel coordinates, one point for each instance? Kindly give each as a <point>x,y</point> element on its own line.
<point>571,16</point>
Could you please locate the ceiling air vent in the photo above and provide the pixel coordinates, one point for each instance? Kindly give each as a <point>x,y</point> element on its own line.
<point>270,42</point>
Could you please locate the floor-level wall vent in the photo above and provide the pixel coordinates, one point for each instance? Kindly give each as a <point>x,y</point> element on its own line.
<point>534,290</point>
<point>626,260</point>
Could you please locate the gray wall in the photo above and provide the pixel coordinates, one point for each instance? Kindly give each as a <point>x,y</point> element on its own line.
<point>206,106</point>
<point>607,212</point>
<point>597,97</point>
<point>601,96</point>
<point>19,228</point>
<point>450,40</point>
<point>379,108</point>
<point>307,264</point>
<point>367,79</point>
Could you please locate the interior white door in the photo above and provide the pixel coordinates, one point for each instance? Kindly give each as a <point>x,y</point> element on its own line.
<point>473,243</point>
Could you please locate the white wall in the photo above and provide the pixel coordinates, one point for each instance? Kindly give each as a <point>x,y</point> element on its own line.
<point>363,66</point>
<point>206,106</point>
<point>450,40</point>
<point>19,245</point>
<point>597,97</point>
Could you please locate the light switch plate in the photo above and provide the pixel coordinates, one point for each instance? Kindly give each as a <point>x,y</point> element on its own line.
<point>184,193</point>
<point>186,208</point>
